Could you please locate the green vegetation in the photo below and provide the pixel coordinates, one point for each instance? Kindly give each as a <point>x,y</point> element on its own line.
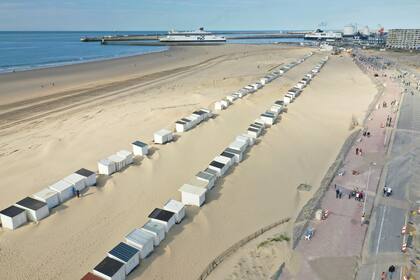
<point>277,238</point>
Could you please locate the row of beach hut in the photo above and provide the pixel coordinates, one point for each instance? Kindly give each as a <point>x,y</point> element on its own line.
<point>36,207</point>
<point>193,120</point>
<point>140,242</point>
<point>254,87</point>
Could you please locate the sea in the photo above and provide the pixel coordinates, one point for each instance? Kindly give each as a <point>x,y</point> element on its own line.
<point>26,50</point>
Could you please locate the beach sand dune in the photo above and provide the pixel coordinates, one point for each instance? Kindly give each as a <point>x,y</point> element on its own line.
<point>260,191</point>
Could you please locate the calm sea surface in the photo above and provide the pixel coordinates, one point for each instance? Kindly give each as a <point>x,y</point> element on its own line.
<point>29,50</point>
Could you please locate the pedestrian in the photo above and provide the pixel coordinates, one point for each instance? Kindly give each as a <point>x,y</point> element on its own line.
<point>337,193</point>
<point>340,194</point>
<point>360,151</point>
<point>383,275</point>
<point>78,193</point>
<point>357,151</point>
<point>362,219</point>
<point>368,134</point>
<point>391,271</point>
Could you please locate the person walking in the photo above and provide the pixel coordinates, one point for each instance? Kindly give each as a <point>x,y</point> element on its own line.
<point>391,271</point>
<point>357,151</point>
<point>383,275</point>
<point>362,219</point>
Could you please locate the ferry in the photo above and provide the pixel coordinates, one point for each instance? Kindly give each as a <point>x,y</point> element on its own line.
<point>192,37</point>
<point>322,35</point>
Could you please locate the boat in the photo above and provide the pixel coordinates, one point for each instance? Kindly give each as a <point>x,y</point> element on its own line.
<point>322,35</point>
<point>192,37</point>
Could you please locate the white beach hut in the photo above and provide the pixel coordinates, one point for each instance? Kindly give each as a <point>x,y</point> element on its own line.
<point>176,207</point>
<point>140,240</point>
<point>106,167</point>
<point>209,178</point>
<point>76,180</point>
<point>13,217</point>
<point>127,156</point>
<point>239,145</point>
<point>165,217</point>
<point>199,183</point>
<point>228,158</point>
<point>49,196</point>
<point>238,154</point>
<point>253,132</point>
<point>128,255</point>
<point>251,139</point>
<point>243,139</point>
<point>119,161</point>
<point>219,167</point>
<point>163,136</point>
<point>193,195</point>
<point>35,210</point>
<point>64,189</point>
<point>268,119</point>
<point>90,176</point>
<point>140,148</point>
<point>231,156</point>
<point>157,229</point>
<point>231,98</point>
<point>181,126</point>
<point>212,172</point>
<point>218,105</point>
<point>110,269</point>
<point>288,98</point>
<point>276,108</point>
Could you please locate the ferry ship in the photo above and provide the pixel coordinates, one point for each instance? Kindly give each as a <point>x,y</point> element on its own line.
<point>192,37</point>
<point>322,35</point>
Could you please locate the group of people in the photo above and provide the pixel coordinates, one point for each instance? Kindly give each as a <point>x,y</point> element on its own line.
<point>359,151</point>
<point>391,270</point>
<point>355,193</point>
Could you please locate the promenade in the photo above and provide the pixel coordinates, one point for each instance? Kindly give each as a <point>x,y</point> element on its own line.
<point>335,248</point>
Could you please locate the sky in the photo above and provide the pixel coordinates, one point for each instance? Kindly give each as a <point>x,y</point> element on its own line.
<point>137,15</point>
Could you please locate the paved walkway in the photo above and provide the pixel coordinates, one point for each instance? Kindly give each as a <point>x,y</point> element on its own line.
<point>334,250</point>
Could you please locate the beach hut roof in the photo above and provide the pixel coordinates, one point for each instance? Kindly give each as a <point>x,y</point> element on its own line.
<point>226,154</point>
<point>253,129</point>
<point>45,193</point>
<point>139,144</point>
<point>211,171</point>
<point>186,120</point>
<point>84,172</point>
<point>180,122</point>
<point>105,161</point>
<point>154,226</point>
<point>163,132</point>
<point>116,158</point>
<point>61,185</point>
<point>217,164</point>
<point>205,175</point>
<point>175,205</point>
<point>124,251</point>
<point>12,211</point>
<point>90,276</point>
<point>161,214</point>
<point>31,203</point>
<point>109,266</point>
<point>232,151</point>
<point>192,189</point>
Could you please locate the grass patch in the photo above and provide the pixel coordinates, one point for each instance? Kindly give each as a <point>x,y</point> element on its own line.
<point>277,238</point>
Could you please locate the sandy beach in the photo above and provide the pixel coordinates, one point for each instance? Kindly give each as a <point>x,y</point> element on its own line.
<point>55,121</point>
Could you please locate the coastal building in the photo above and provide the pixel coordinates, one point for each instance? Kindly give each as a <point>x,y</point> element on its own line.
<point>176,207</point>
<point>110,269</point>
<point>128,255</point>
<point>90,176</point>
<point>49,196</point>
<point>35,210</point>
<point>13,217</point>
<point>64,189</point>
<point>163,136</point>
<point>140,148</point>
<point>156,229</point>
<point>191,195</point>
<point>141,240</point>
<point>106,167</point>
<point>165,217</point>
<point>408,39</point>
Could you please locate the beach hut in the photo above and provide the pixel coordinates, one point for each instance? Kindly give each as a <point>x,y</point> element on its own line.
<point>208,113</point>
<point>156,229</point>
<point>176,207</point>
<point>288,98</point>
<point>118,160</point>
<point>110,269</point>
<point>165,217</point>
<point>239,145</point>
<point>268,118</point>
<point>250,139</point>
<point>276,108</point>
<point>13,217</point>
<point>106,167</point>
<point>209,178</point>
<point>127,156</point>
<point>90,176</point>
<point>253,132</point>
<point>192,195</point>
<point>219,106</point>
<point>200,114</point>
<point>212,172</point>
<point>219,167</point>
<point>64,189</point>
<point>163,136</point>
<point>199,183</point>
<point>76,180</point>
<point>35,210</point>
<point>49,196</point>
<point>238,154</point>
<point>300,85</point>
<point>141,240</point>
<point>140,148</point>
<point>231,98</point>
<point>128,255</point>
<point>256,126</point>
<point>195,119</point>
<point>181,126</point>
<point>227,162</point>
<point>91,276</point>
<point>231,156</point>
